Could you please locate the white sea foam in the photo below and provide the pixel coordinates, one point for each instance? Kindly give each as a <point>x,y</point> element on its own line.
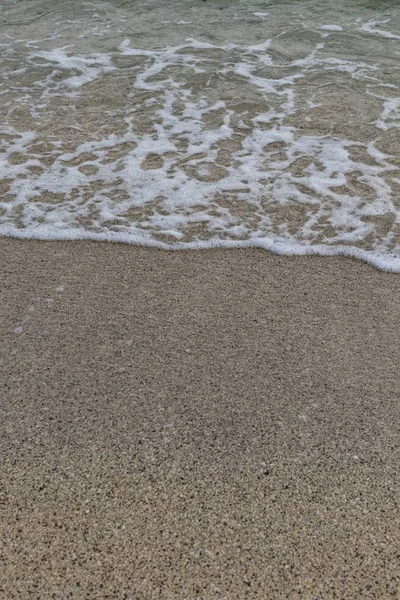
<point>89,68</point>
<point>277,141</point>
<point>370,27</point>
<point>331,27</point>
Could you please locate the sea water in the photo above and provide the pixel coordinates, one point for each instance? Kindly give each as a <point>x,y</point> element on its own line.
<point>191,124</point>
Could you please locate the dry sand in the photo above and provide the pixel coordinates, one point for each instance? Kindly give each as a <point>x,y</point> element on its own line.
<point>216,424</point>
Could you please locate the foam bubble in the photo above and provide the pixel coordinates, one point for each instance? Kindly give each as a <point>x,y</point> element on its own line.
<point>370,27</point>
<point>331,27</point>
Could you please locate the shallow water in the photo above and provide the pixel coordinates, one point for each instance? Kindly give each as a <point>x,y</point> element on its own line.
<point>195,124</point>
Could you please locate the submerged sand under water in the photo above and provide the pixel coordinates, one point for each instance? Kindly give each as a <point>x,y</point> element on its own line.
<point>198,124</point>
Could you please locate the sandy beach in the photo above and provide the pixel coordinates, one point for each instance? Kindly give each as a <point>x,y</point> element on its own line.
<point>211,424</point>
<point>199,424</point>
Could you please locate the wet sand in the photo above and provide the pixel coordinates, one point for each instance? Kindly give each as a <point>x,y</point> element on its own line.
<point>197,425</point>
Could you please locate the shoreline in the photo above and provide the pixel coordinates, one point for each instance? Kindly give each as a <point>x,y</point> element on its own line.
<point>382,262</point>
<point>222,424</point>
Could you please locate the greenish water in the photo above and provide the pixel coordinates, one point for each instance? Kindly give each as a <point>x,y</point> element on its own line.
<point>191,124</point>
